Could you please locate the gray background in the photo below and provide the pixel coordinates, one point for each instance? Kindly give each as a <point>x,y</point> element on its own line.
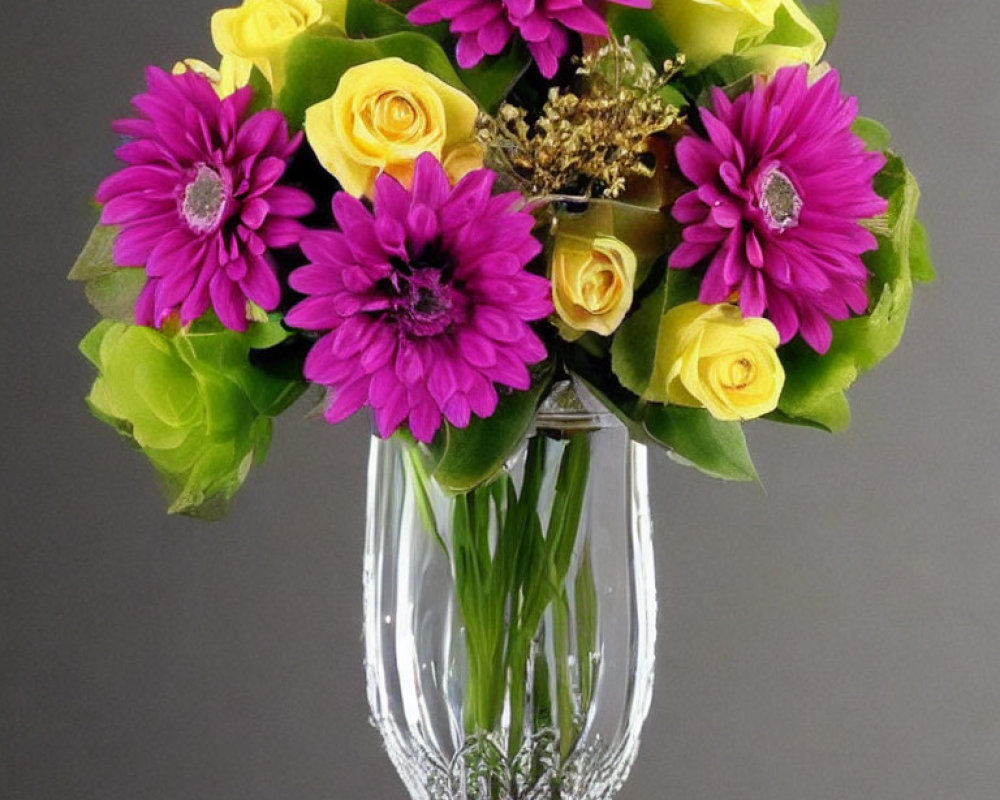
<point>836,639</point>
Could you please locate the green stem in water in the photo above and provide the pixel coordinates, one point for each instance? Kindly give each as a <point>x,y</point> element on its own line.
<point>504,589</point>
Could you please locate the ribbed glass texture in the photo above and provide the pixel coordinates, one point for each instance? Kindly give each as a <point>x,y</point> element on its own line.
<point>510,631</point>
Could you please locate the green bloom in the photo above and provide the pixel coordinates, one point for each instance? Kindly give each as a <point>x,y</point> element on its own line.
<point>191,401</point>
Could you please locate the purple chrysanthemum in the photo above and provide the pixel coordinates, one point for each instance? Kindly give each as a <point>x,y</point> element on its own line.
<point>199,205</point>
<point>783,184</point>
<point>485,26</point>
<point>424,300</point>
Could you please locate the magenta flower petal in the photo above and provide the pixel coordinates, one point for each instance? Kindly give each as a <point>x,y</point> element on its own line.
<point>199,205</point>
<point>484,27</point>
<point>782,186</point>
<point>423,327</point>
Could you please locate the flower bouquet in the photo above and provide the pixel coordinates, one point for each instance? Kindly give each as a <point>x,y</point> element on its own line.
<point>532,239</point>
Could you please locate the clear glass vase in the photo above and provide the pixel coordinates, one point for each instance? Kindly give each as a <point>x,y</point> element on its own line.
<point>510,630</point>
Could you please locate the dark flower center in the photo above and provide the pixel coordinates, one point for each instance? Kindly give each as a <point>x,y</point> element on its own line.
<point>779,201</point>
<point>424,297</point>
<point>425,303</point>
<point>204,200</point>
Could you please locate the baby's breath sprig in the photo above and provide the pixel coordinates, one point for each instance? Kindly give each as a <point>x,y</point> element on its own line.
<point>592,141</point>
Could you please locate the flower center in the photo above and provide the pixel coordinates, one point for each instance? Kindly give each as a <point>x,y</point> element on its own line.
<point>779,201</point>
<point>395,115</point>
<point>741,374</point>
<point>426,303</point>
<point>204,200</point>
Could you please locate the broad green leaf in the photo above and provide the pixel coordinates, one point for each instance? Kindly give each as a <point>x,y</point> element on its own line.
<point>633,349</point>
<point>920,256</point>
<point>368,19</point>
<point>114,294</point>
<point>826,16</point>
<point>644,26</point>
<point>682,287</point>
<point>262,94</point>
<point>695,438</point>
<point>875,135</point>
<point>784,419</point>
<point>471,456</point>
<point>110,289</point>
<point>267,393</point>
<point>491,80</point>
<point>830,413</point>
<point>315,63</point>
<point>95,259</point>
<point>732,72</point>
<point>267,334</point>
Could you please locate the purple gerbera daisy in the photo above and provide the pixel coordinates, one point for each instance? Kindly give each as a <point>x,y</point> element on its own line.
<point>424,299</point>
<point>783,184</point>
<point>485,26</point>
<point>199,206</point>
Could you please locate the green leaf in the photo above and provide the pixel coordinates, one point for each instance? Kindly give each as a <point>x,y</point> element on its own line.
<point>921,267</point>
<point>268,394</point>
<point>95,260</point>
<point>647,28</point>
<point>368,19</point>
<point>471,456</point>
<point>830,413</point>
<point>316,61</point>
<point>110,289</point>
<point>875,135</point>
<point>683,286</point>
<point>633,349</point>
<point>826,16</point>
<point>114,294</point>
<point>491,80</point>
<point>730,71</point>
<point>262,94</point>
<point>264,335</point>
<point>696,438</point>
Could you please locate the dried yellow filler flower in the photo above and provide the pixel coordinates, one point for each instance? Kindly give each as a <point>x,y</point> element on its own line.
<point>591,142</point>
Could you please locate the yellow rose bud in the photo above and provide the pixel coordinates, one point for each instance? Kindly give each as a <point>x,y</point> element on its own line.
<point>592,283</point>
<point>198,68</point>
<point>259,31</point>
<point>383,115</point>
<point>230,76</point>
<point>462,159</point>
<point>713,357</point>
<point>769,33</point>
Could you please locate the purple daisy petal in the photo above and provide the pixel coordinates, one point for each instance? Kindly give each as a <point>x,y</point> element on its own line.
<point>439,318</point>
<point>198,205</point>
<point>484,27</point>
<point>782,186</point>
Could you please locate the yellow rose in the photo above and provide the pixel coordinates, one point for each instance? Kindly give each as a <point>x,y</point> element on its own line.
<point>383,115</point>
<point>713,357</point>
<point>259,31</point>
<point>768,33</point>
<point>592,283</point>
